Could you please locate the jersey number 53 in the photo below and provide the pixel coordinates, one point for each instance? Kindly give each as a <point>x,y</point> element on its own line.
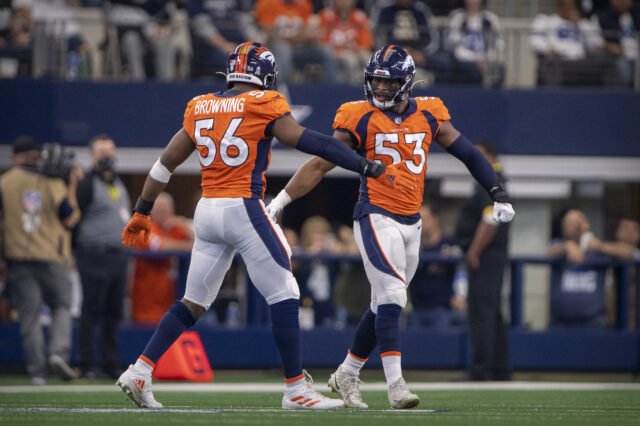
<point>414,139</point>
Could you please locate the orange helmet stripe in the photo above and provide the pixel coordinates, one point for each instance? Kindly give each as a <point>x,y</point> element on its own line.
<point>242,57</point>
<point>386,52</point>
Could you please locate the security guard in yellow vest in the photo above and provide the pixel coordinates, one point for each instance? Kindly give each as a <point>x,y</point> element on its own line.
<point>38,211</point>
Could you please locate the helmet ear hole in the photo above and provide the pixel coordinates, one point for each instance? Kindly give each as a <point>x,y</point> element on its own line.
<point>269,82</point>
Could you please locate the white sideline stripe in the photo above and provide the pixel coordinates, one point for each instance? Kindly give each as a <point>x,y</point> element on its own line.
<point>276,387</point>
<point>200,410</point>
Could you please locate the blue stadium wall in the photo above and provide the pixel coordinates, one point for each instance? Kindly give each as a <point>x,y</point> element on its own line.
<point>541,122</point>
<point>566,350</point>
<point>529,122</point>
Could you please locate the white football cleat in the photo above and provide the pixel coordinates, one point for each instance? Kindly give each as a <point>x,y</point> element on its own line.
<point>304,397</point>
<point>400,396</point>
<point>346,385</point>
<point>137,386</point>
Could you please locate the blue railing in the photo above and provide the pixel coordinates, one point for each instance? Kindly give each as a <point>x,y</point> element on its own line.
<point>257,309</point>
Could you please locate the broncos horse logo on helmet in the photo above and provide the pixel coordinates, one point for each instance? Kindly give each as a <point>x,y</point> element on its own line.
<point>391,63</point>
<point>252,63</point>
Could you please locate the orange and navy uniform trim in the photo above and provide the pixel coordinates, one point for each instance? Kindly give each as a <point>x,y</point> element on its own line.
<point>148,361</point>
<point>373,230</point>
<point>294,379</point>
<point>357,357</point>
<point>390,353</point>
<point>406,138</point>
<point>386,52</point>
<point>208,118</point>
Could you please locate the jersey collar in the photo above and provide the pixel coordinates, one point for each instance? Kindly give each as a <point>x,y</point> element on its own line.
<point>399,118</point>
<point>229,93</point>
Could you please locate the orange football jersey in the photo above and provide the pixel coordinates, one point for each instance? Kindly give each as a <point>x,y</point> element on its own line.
<point>393,138</point>
<point>230,130</point>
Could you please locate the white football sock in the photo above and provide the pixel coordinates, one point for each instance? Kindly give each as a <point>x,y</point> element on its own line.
<point>292,386</point>
<point>392,368</point>
<point>352,365</point>
<point>142,366</point>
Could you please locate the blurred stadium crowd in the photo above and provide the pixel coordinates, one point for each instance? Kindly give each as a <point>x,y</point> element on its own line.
<point>488,42</point>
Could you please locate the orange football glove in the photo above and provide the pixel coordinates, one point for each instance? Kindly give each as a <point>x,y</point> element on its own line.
<point>397,179</point>
<point>138,223</point>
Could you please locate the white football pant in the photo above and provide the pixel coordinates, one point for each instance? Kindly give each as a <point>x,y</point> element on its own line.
<point>223,226</point>
<point>390,252</point>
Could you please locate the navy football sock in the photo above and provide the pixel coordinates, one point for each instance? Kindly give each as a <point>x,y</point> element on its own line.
<point>387,325</point>
<point>365,338</point>
<point>286,333</point>
<point>177,319</point>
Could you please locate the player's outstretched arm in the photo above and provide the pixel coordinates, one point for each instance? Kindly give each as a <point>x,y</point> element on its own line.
<point>290,133</point>
<point>305,179</point>
<point>459,146</point>
<point>176,152</point>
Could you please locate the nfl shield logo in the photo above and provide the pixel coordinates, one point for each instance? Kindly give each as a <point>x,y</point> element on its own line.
<point>32,201</point>
<point>397,120</point>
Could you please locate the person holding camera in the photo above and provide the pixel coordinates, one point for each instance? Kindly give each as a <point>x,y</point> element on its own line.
<point>38,210</point>
<point>100,257</point>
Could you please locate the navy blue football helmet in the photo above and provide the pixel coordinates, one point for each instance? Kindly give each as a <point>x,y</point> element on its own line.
<point>252,63</point>
<point>394,63</point>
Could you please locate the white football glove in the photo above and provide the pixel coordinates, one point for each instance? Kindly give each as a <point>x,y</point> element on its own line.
<point>277,204</point>
<point>503,212</point>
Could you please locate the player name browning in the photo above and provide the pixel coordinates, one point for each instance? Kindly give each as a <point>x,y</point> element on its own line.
<point>210,106</point>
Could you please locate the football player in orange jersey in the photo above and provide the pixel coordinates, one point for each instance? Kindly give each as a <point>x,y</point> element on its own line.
<point>232,131</point>
<point>390,128</point>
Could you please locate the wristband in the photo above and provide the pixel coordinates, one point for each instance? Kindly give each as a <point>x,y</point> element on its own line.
<point>143,206</point>
<point>282,198</point>
<point>370,168</point>
<point>498,193</point>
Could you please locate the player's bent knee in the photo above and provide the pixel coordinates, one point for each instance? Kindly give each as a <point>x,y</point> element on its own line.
<point>196,310</point>
<point>396,297</point>
<point>277,292</point>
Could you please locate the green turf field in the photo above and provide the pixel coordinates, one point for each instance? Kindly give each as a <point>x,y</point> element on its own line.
<point>104,404</point>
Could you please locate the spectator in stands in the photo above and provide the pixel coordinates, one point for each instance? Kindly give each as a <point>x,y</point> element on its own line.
<point>316,277</point>
<point>620,24</point>
<point>591,7</point>
<point>293,35</point>
<point>62,51</point>
<point>577,288</point>
<point>141,24</point>
<point>626,241</point>
<point>351,282</point>
<point>433,300</point>
<point>217,27</point>
<point>485,245</point>
<point>16,38</point>
<point>100,258</point>
<point>474,44</point>
<point>570,49</point>
<point>407,23</point>
<point>444,7</point>
<point>623,247</point>
<point>346,30</point>
<point>154,289</point>
<point>37,213</point>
